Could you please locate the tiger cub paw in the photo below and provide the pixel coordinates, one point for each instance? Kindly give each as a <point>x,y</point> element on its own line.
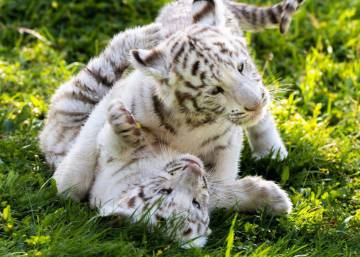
<point>123,123</point>
<point>278,201</point>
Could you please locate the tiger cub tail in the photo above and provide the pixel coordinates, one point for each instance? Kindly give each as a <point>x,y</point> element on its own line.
<point>255,18</point>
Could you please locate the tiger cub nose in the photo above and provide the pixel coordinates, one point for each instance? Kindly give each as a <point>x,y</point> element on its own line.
<point>257,105</point>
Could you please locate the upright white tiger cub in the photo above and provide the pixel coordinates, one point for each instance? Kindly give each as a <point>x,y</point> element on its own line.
<point>145,181</point>
<point>74,101</point>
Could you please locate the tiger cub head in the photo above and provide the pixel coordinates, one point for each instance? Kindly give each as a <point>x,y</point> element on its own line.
<point>205,71</point>
<point>176,197</point>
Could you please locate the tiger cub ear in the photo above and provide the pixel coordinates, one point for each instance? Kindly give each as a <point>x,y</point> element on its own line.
<point>208,12</point>
<point>152,62</point>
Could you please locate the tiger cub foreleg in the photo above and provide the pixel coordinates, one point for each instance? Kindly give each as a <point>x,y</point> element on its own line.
<point>110,135</point>
<point>264,139</point>
<point>122,135</point>
<point>249,194</point>
<point>74,101</point>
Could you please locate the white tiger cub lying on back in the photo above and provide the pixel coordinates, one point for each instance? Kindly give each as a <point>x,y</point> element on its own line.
<point>134,179</point>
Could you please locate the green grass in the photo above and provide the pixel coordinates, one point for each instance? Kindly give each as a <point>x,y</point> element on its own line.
<point>316,68</point>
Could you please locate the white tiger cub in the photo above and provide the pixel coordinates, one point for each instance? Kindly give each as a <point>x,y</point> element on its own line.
<point>192,93</point>
<point>138,180</point>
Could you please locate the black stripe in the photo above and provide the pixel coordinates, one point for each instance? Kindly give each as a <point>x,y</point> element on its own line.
<point>174,46</point>
<point>80,119</point>
<point>79,96</point>
<point>181,50</point>
<point>186,57</point>
<point>245,12</point>
<point>189,85</point>
<point>254,17</point>
<point>195,68</point>
<point>136,55</point>
<point>279,9</point>
<point>196,106</point>
<point>210,6</point>
<point>99,79</point>
<point>82,87</point>
<point>272,16</point>
<point>203,76</point>
<point>159,109</point>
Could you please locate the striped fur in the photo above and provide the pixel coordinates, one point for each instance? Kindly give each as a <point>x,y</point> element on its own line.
<point>257,18</point>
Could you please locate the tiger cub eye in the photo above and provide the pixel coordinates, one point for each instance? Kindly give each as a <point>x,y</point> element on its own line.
<point>241,68</point>
<point>165,191</point>
<point>196,204</point>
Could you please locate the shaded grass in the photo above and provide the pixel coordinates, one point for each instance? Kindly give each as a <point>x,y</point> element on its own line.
<point>317,63</point>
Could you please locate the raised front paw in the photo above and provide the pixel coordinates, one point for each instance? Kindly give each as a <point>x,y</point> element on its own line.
<point>289,7</point>
<point>123,123</point>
